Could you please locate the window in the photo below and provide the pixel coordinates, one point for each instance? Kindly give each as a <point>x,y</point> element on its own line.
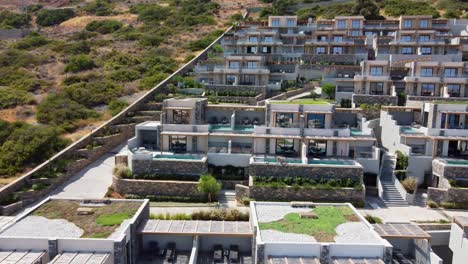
<point>337,50</point>
<point>252,65</point>
<point>406,50</point>
<point>450,72</point>
<point>320,50</point>
<point>178,143</point>
<point>230,79</point>
<point>407,23</point>
<point>275,22</point>
<point>317,148</point>
<point>322,38</point>
<point>248,80</point>
<point>376,71</point>
<point>355,33</point>
<point>376,88</point>
<point>269,39</point>
<point>424,38</point>
<point>284,119</point>
<point>338,39</point>
<point>453,90</point>
<point>426,72</point>
<point>315,120</point>
<point>356,24</point>
<point>427,89</point>
<point>181,117</point>
<point>285,146</point>
<point>423,23</point>
<point>234,65</point>
<point>290,31</point>
<point>253,39</point>
<point>406,38</point>
<point>453,121</point>
<point>426,51</point>
<point>266,49</point>
<point>251,49</point>
<point>291,23</point>
<point>341,24</point>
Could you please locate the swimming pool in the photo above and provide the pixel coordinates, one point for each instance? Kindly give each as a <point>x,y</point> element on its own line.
<point>276,160</point>
<point>330,162</point>
<point>410,130</point>
<point>178,156</point>
<point>227,128</point>
<point>456,162</point>
<point>358,132</point>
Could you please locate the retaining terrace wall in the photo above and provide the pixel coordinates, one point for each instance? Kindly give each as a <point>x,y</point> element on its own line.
<point>115,122</point>
<point>170,167</point>
<point>156,188</point>
<point>359,99</point>
<point>299,170</point>
<point>456,195</point>
<point>263,193</point>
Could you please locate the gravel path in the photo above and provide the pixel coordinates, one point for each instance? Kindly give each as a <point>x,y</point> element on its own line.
<point>277,236</point>
<point>38,226</point>
<point>355,232</point>
<point>274,212</point>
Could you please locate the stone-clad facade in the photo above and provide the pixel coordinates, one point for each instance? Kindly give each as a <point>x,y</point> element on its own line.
<point>168,167</point>
<point>156,188</point>
<point>300,170</point>
<point>263,193</point>
<point>374,99</point>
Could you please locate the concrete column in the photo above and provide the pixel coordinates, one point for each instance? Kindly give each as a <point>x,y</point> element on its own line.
<point>53,248</point>
<point>325,254</point>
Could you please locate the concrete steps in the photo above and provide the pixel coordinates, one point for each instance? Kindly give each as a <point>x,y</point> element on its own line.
<point>391,196</point>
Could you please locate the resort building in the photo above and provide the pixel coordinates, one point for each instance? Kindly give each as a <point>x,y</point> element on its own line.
<point>309,136</point>
<point>121,231</point>
<point>434,137</point>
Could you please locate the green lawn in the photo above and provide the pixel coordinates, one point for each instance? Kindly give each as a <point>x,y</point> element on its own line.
<point>318,101</point>
<point>450,102</point>
<point>323,228</point>
<point>112,219</point>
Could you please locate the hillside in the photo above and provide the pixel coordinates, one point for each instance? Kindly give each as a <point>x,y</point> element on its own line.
<point>80,62</point>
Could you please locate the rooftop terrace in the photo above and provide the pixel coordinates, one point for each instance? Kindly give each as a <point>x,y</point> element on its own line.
<point>305,101</point>
<point>61,218</point>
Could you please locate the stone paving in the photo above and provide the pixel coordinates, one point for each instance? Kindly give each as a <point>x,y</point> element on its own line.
<point>38,226</point>
<point>91,182</point>
<point>266,214</point>
<point>355,232</point>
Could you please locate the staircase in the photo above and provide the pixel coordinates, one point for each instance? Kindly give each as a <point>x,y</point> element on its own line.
<point>391,196</point>
<point>227,198</point>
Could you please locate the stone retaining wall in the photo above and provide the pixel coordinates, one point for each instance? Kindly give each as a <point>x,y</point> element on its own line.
<point>359,99</point>
<point>157,188</point>
<point>170,167</point>
<point>447,171</point>
<point>236,88</point>
<point>231,184</point>
<point>314,172</point>
<point>456,195</point>
<point>242,191</point>
<point>263,193</point>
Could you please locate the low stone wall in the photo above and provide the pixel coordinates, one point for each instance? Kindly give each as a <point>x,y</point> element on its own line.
<point>156,188</point>
<point>359,99</point>
<point>242,191</point>
<point>456,195</point>
<point>447,171</point>
<point>11,209</point>
<point>262,193</point>
<point>433,98</point>
<point>314,172</point>
<point>170,167</point>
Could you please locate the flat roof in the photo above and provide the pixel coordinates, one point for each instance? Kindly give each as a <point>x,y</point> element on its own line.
<point>197,227</point>
<point>462,221</point>
<point>357,261</point>
<point>4,221</point>
<point>81,258</point>
<point>401,230</point>
<point>20,256</point>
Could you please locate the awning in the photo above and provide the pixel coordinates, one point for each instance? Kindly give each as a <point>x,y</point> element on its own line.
<point>401,230</point>
<point>340,138</point>
<point>196,227</point>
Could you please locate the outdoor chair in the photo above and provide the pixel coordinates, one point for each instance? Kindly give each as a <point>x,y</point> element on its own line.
<point>218,253</point>
<point>170,252</point>
<point>234,254</point>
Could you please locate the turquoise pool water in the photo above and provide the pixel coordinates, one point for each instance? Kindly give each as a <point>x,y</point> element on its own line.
<point>275,160</point>
<point>331,162</point>
<point>178,156</point>
<point>409,130</point>
<point>357,132</point>
<point>457,162</point>
<point>226,128</point>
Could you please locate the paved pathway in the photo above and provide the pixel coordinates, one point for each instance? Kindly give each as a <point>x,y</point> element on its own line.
<point>91,182</point>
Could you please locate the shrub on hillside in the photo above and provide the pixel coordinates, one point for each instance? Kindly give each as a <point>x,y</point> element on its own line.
<point>14,20</point>
<point>116,106</point>
<point>99,7</point>
<point>396,8</point>
<point>125,75</point>
<point>62,112</point>
<point>33,40</point>
<point>104,26</point>
<point>79,63</point>
<point>50,17</point>
<point>92,94</point>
